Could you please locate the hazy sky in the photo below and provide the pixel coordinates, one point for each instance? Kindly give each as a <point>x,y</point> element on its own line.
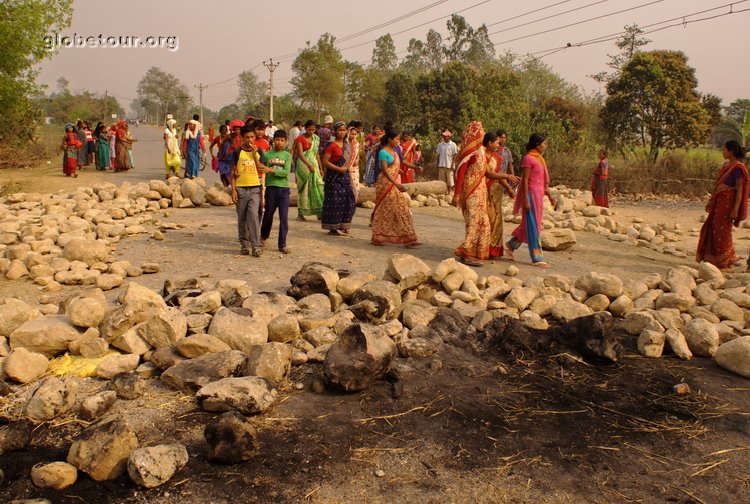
<point>220,39</point>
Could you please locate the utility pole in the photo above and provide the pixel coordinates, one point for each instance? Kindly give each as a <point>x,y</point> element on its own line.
<point>105,105</point>
<point>200,88</point>
<point>271,66</point>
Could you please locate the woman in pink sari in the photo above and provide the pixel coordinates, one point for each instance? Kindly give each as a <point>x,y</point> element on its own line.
<point>530,201</point>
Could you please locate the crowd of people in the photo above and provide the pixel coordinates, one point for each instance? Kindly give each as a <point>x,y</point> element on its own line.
<point>105,148</point>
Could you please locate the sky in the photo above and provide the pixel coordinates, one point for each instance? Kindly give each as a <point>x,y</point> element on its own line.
<point>218,40</point>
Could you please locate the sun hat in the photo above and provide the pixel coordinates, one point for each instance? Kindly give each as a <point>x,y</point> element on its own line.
<point>447,133</point>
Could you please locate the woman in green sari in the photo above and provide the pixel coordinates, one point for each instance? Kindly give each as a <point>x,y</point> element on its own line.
<point>309,178</point>
<point>102,151</point>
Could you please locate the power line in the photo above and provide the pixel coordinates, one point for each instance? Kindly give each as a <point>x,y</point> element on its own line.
<point>533,11</point>
<point>394,20</point>
<point>545,18</point>
<point>578,22</point>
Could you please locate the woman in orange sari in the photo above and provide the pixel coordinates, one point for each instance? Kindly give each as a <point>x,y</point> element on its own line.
<point>409,152</point>
<point>727,207</point>
<point>391,219</point>
<point>471,191</point>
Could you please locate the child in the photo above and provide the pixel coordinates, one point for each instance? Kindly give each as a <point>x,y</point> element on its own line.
<point>246,192</point>
<point>279,163</point>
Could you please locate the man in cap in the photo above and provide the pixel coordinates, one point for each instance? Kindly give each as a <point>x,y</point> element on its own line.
<point>446,151</point>
<point>324,133</point>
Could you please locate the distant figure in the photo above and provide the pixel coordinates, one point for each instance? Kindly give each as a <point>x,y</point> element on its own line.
<point>172,162</point>
<point>727,207</point>
<point>600,181</point>
<point>324,133</point>
<point>446,159</point>
<point>83,154</point>
<point>408,151</point>
<point>270,130</point>
<point>294,133</point>
<point>192,149</point>
<point>70,145</point>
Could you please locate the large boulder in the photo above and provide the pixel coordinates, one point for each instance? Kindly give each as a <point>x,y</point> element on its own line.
<point>54,397</point>
<point>702,337</point>
<point>24,366</point>
<point>87,251</point>
<point>102,450</point>
<point>556,239</point>
<point>231,439</point>
<point>284,329</point>
<point>195,373</point>
<point>154,465</point>
<point>193,191</point>
<point>313,278</point>
<point>409,271</point>
<point>166,328</point>
<point>249,395</point>
<point>347,286</point>
<point>595,283</point>
<point>240,332</point>
<point>360,355</point>
<point>200,344</point>
<point>271,361</point>
<point>218,197</point>
<point>735,356</point>
<point>55,475</point>
<point>385,295</point>
<point>13,313</point>
<point>49,336</point>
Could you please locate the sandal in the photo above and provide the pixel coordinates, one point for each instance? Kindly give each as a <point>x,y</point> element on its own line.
<point>413,245</point>
<point>285,250</point>
<point>508,253</point>
<point>376,244</point>
<point>540,264</point>
<point>334,232</point>
<point>470,262</point>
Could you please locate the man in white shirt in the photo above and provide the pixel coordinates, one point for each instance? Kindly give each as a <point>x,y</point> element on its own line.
<point>270,130</point>
<point>446,160</point>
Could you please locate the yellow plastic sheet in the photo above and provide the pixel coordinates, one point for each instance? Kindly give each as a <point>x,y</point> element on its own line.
<point>75,365</point>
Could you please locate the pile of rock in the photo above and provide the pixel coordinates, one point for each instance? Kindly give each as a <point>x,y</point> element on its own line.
<point>67,238</point>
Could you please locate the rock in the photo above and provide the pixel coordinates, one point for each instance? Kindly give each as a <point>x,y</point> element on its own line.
<point>54,397</point>
<point>452,282</point>
<point>15,436</point>
<point>115,364</point>
<point>55,475</point>
<point>87,311</point>
<point>734,356</point>
<point>200,344</point>
<point>417,347</point>
<point>532,320</point>
<point>704,313</point>
<point>192,190</point>
<point>679,344</point>
<point>218,197</point>
<point>155,465</point>
<point>196,373</point>
<point>679,281</point>
<point>636,322</point>
<point>558,239</point>
<point>521,297</point>
<point>16,270</point>
<point>408,270</point>
<point>49,336</point>
<point>140,297</point>
<point>231,439</point>
<point>87,251</point>
<point>594,283</point>
<point>97,405</point>
<point>108,281</point>
<point>727,310</point>
<point>705,294</point>
<point>360,355</point>
<point>233,292</point>
<point>102,450</point>
<point>283,329</point>
<point>568,310</point>
<point>313,278</point>
<point>676,300</point>
<point>148,370</point>
<point>248,395</point>
<point>166,328</point>
<point>621,306</point>
<point>443,269</point>
<point>150,268</point>
<point>702,337</point>
<point>347,286</point>
<point>131,342</point>
<point>14,313</point>
<point>708,271</point>
<point>165,358</point>
<point>127,385</point>
<point>741,299</point>
<point>207,302</point>
<point>271,361</point>
<point>511,270</point>
<point>24,366</point>
<point>385,295</point>
<point>542,305</point>
<point>441,300</point>
<point>449,325</point>
<point>651,343</point>
<point>315,303</point>
<point>598,302</point>
<point>240,332</point>
<point>322,335</point>
<point>417,313</point>
<point>266,306</point>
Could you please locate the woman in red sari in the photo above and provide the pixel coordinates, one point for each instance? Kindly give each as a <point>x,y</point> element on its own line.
<point>727,207</point>
<point>409,152</point>
<point>600,181</point>
<point>391,219</point>
<point>474,169</point>
<point>122,144</point>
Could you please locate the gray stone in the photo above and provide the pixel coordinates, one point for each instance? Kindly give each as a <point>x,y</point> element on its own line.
<point>417,347</point>
<point>385,295</point>
<point>95,406</point>
<point>49,336</point>
<point>249,395</point>
<point>636,322</point>
<point>24,366</point>
<point>193,191</point>
<point>54,475</point>
<point>218,197</point>
<point>231,439</point>
<point>155,465</point>
<point>54,397</point>
<point>195,373</point>
<point>240,332</point>
<point>208,302</point>
<point>102,450</point>
<point>734,356</point>
<point>408,270</point>
<point>323,335</point>
<point>360,355</point>
<point>233,292</point>
<point>271,361</point>
<point>165,358</point>
<point>200,344</point>
<point>266,306</point>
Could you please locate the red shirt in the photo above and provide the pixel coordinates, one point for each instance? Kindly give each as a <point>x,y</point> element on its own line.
<point>335,152</point>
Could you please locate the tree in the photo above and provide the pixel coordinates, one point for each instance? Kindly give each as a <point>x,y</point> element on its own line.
<point>735,125</point>
<point>654,103</point>
<point>318,82</point>
<point>467,44</point>
<point>164,91</point>
<point>629,44</point>
<point>62,85</point>
<point>424,56</point>
<point>252,92</point>
<point>401,104</point>
<point>27,30</point>
<point>384,54</point>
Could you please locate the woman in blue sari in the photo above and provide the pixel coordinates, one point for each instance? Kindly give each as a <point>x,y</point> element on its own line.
<point>192,154</point>
<point>339,204</point>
